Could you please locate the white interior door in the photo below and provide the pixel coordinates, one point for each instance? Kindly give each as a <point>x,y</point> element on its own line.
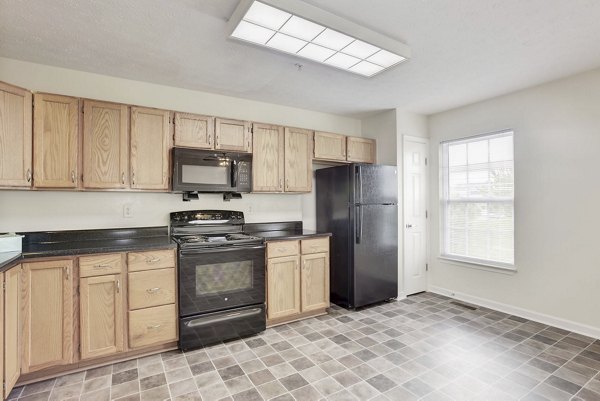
<point>416,154</point>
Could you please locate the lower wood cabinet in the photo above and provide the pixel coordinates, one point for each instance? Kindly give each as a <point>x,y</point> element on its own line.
<point>283,288</point>
<point>12,329</point>
<point>297,283</point>
<point>47,314</point>
<point>152,326</point>
<point>101,315</point>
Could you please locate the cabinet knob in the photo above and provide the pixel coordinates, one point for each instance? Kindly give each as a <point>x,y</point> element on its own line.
<point>153,327</point>
<point>28,175</point>
<point>152,260</point>
<point>118,285</point>
<point>123,178</point>
<point>153,290</point>
<point>73,176</point>
<point>133,178</point>
<point>101,266</point>
<point>67,272</point>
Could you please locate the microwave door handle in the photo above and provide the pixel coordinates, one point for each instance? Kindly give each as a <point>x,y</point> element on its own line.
<point>234,173</point>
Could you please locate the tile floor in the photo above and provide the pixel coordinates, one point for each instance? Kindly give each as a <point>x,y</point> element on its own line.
<point>424,347</point>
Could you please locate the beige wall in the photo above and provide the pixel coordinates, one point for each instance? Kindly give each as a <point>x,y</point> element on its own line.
<point>53,210</point>
<point>557,193</point>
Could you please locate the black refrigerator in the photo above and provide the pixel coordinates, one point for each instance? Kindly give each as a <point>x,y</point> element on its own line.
<point>358,204</point>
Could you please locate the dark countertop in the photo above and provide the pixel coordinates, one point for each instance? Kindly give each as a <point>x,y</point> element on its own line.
<point>8,260</point>
<point>289,235</point>
<point>95,246</point>
<point>79,242</point>
<point>287,230</point>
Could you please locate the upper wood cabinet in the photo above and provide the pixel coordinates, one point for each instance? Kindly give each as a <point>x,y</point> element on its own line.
<point>150,145</point>
<point>194,131</point>
<point>47,314</point>
<point>267,158</point>
<point>298,160</point>
<point>101,315</point>
<point>15,136</point>
<point>361,150</point>
<point>105,145</point>
<point>12,328</point>
<point>55,141</point>
<point>233,135</point>
<point>329,147</point>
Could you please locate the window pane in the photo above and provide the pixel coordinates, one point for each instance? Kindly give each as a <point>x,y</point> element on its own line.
<point>478,152</point>
<point>457,155</point>
<point>501,149</point>
<point>478,178</point>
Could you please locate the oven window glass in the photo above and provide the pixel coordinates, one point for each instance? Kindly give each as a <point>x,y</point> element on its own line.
<point>213,175</point>
<point>223,277</point>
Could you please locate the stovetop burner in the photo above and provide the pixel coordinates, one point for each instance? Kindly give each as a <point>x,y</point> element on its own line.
<point>209,228</point>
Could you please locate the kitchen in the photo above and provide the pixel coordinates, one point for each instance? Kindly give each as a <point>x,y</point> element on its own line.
<point>285,362</point>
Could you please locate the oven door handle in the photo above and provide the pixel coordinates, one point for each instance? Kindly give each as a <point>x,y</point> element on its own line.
<point>187,252</point>
<point>234,173</point>
<point>205,321</point>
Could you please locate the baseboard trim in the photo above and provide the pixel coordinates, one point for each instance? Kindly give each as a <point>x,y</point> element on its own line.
<point>521,312</point>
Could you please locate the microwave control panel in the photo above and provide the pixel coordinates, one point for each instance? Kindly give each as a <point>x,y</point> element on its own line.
<point>244,175</point>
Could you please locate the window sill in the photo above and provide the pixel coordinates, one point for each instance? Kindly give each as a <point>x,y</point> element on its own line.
<point>479,265</point>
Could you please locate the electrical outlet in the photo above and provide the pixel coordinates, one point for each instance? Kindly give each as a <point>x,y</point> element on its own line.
<point>128,210</point>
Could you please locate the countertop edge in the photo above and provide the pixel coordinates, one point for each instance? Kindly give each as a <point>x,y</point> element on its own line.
<point>11,262</point>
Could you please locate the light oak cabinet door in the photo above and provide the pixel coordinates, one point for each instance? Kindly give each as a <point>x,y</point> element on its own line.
<point>150,145</point>
<point>55,141</point>
<point>233,135</point>
<point>298,160</point>
<point>315,281</point>
<point>47,314</point>
<point>283,287</point>
<point>2,348</point>
<point>194,131</point>
<point>105,145</point>
<point>101,315</point>
<point>361,150</point>
<point>12,328</point>
<point>15,136</point>
<point>267,158</point>
<point>329,147</point>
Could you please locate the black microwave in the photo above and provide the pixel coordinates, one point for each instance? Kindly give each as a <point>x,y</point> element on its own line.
<point>196,170</point>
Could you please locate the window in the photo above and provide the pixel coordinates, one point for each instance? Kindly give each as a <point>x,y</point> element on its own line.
<point>477,199</point>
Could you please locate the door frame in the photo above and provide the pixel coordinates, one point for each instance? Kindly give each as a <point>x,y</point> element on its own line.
<point>425,141</point>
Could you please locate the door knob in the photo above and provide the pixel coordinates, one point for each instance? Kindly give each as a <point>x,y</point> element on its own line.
<point>409,226</point>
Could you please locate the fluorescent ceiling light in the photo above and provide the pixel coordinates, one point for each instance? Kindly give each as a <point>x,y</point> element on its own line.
<point>286,43</point>
<point>301,28</point>
<point>306,31</point>
<point>342,60</point>
<point>267,16</point>
<point>385,58</point>
<point>252,33</point>
<point>316,52</point>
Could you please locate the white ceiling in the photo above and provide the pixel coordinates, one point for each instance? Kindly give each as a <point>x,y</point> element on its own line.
<point>462,50</point>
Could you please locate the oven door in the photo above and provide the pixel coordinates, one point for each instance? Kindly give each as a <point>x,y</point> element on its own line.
<point>220,278</point>
<point>203,171</point>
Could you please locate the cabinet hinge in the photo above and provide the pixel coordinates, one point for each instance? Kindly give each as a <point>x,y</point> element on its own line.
<point>426,214</point>
<point>425,161</point>
<point>426,267</point>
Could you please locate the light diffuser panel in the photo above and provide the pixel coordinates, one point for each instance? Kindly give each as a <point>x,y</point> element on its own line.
<point>277,29</point>
<point>301,28</point>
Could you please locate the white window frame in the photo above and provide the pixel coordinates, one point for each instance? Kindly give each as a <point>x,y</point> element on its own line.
<point>459,259</point>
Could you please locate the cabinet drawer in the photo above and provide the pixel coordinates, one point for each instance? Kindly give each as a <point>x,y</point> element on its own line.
<point>283,248</point>
<point>315,245</point>
<point>152,326</point>
<point>150,260</point>
<point>100,265</point>
<point>151,288</point>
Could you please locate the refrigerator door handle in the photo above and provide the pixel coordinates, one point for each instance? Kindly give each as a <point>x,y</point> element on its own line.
<point>358,215</point>
<point>359,185</point>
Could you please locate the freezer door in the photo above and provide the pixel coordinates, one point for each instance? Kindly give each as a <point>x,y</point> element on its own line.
<point>375,253</point>
<point>374,184</point>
